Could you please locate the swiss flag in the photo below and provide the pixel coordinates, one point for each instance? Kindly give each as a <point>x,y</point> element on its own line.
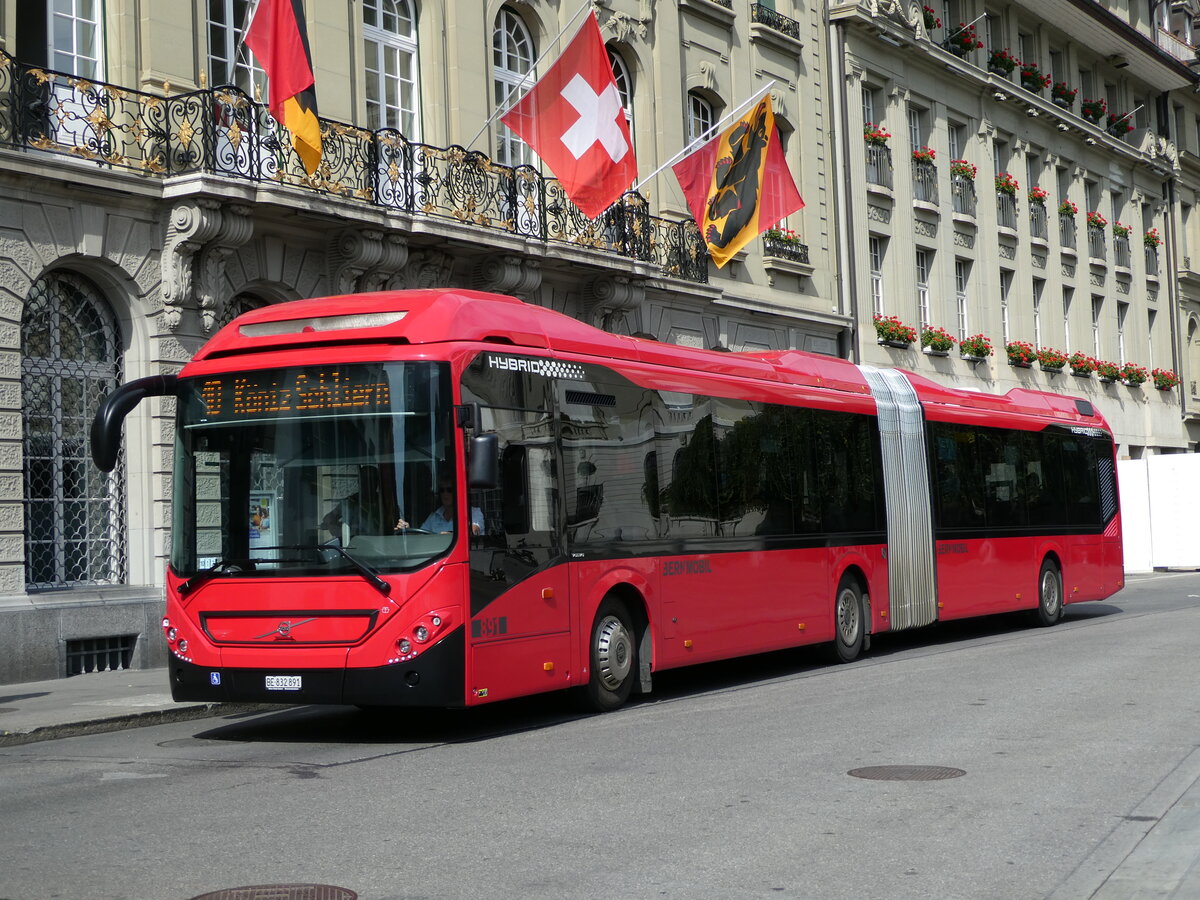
<point>573,119</point>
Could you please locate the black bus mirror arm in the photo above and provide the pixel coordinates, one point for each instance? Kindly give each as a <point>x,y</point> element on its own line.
<point>106,426</point>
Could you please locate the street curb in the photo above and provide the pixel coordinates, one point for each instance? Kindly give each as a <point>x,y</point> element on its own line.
<point>131,720</point>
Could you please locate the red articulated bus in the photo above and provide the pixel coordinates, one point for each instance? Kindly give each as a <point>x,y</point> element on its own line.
<point>446,498</point>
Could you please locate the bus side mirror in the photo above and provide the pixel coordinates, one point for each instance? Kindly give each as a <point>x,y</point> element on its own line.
<point>106,426</point>
<point>483,470</point>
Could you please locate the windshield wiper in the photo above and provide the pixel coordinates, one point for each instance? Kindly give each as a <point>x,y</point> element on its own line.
<point>228,567</point>
<point>369,574</point>
<point>220,567</point>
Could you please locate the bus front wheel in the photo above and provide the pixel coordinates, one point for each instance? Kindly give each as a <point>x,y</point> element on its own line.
<point>849,621</point>
<point>1050,595</point>
<point>613,657</point>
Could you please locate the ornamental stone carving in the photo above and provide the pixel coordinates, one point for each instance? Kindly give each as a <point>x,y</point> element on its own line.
<point>508,274</point>
<point>364,259</point>
<point>193,226</point>
<point>607,295</point>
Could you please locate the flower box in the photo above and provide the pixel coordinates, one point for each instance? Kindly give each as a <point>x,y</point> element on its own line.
<point>894,333</point>
<point>1002,62</point>
<point>937,340</point>
<point>975,348</point>
<point>1007,184</point>
<point>962,40</point>
<point>1063,94</point>
<point>875,134</point>
<point>1164,379</point>
<point>1093,110</point>
<point>1133,374</point>
<point>1020,354</point>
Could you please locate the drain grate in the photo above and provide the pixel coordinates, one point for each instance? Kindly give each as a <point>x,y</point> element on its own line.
<point>906,773</point>
<point>282,892</point>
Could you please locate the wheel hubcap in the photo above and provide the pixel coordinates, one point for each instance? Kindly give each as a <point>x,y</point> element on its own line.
<point>1050,595</point>
<point>614,652</point>
<point>847,616</point>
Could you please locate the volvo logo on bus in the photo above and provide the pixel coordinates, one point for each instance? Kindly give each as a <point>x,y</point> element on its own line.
<point>548,368</point>
<point>283,631</point>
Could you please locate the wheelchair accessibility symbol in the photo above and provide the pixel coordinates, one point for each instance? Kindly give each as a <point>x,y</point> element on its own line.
<point>214,678</point>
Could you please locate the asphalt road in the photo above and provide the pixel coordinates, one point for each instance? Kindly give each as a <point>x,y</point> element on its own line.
<point>731,781</point>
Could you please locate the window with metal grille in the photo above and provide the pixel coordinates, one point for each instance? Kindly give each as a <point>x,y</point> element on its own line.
<point>100,654</point>
<point>70,360</point>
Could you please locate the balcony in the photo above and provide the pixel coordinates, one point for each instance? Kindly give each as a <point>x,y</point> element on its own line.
<point>222,132</point>
<point>1121,256</point>
<point>962,190</point>
<point>1067,231</point>
<point>1181,50</point>
<point>764,15</point>
<point>1006,211</point>
<point>925,187</point>
<point>1096,246</point>
<point>879,165</point>
<point>781,248</point>
<point>1151,257</point>
<point>1038,226</point>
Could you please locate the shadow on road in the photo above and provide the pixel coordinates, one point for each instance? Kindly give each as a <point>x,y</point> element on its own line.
<point>425,727</point>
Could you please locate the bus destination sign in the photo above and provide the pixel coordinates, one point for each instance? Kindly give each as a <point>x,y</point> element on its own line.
<point>337,389</point>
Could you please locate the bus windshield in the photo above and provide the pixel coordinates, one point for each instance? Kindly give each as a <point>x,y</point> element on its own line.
<point>311,470</point>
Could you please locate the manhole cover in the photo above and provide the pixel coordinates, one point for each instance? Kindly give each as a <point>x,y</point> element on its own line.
<point>906,773</point>
<point>282,892</point>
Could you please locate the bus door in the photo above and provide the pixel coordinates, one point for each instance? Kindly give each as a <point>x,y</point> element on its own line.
<point>520,601</point>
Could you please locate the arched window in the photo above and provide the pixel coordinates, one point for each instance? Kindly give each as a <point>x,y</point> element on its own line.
<point>701,116</point>
<point>242,303</point>
<point>70,360</point>
<point>390,43</point>
<point>512,61</point>
<point>624,84</point>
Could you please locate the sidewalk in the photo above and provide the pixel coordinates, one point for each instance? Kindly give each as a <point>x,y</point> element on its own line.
<point>101,701</point>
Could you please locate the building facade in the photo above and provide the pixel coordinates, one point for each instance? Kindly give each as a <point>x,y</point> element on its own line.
<point>148,198</point>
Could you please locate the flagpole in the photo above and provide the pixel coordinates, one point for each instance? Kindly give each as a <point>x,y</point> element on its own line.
<point>554,43</point>
<point>251,9</point>
<point>716,129</point>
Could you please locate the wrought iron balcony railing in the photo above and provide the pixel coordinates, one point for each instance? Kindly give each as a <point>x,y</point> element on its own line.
<point>1096,245</point>
<point>1151,261</point>
<point>925,186</point>
<point>1121,255</point>
<point>785,249</point>
<point>1037,221</point>
<point>222,131</point>
<point>879,165</point>
<point>1067,230</point>
<point>1006,211</point>
<point>963,191</point>
<point>765,15</point>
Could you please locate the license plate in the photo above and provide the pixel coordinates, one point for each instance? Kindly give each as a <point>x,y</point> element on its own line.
<point>283,682</point>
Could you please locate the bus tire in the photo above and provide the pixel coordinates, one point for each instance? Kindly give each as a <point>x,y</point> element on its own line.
<point>849,621</point>
<point>613,657</point>
<point>1050,595</point>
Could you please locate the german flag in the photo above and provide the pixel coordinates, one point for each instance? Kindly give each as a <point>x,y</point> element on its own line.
<point>738,184</point>
<point>279,39</point>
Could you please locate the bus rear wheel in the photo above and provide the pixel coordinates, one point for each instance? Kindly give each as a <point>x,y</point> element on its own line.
<point>849,621</point>
<point>613,657</point>
<point>1050,595</point>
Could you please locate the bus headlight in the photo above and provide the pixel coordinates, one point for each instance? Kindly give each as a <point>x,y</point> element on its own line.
<point>403,646</point>
<point>421,633</point>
